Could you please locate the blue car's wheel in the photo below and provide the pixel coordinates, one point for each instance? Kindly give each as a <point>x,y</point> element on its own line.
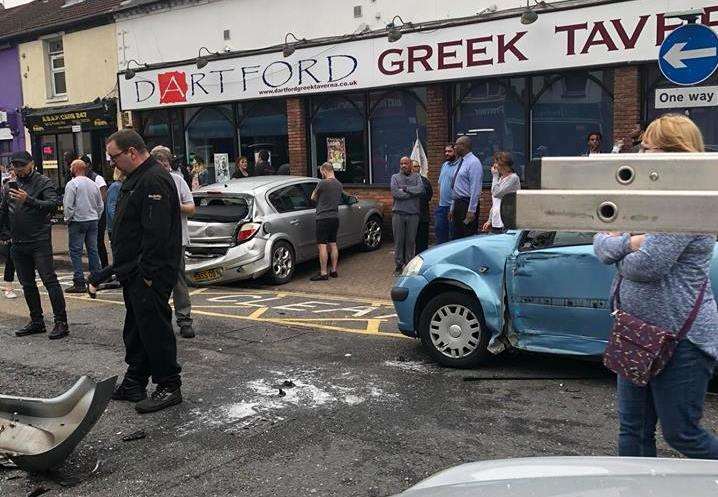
<point>451,327</point>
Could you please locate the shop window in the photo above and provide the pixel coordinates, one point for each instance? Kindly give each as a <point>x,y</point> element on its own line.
<point>704,117</point>
<point>493,114</point>
<point>65,143</point>
<point>56,65</point>
<point>396,119</point>
<point>210,135</point>
<point>263,126</point>
<point>567,107</point>
<point>163,127</point>
<point>338,133</point>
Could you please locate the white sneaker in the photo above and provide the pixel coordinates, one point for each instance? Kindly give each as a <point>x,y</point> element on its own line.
<point>10,294</point>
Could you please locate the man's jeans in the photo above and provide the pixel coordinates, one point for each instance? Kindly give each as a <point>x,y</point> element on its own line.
<point>675,398</point>
<point>83,233</point>
<point>442,227</point>
<point>404,227</point>
<point>29,257</point>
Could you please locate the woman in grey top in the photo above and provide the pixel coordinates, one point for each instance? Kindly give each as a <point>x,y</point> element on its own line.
<point>662,277</point>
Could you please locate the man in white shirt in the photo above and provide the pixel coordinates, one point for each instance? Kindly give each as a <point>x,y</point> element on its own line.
<point>83,206</point>
<point>180,293</point>
<point>102,223</point>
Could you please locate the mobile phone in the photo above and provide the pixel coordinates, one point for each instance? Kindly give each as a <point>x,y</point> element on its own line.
<point>12,184</point>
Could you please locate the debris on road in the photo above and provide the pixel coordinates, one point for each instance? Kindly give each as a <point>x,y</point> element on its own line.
<point>137,435</point>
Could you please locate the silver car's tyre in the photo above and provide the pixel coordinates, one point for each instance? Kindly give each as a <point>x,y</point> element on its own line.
<point>452,329</point>
<point>372,234</point>
<point>283,263</point>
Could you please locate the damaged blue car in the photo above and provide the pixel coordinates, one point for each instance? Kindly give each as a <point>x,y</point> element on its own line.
<point>540,291</point>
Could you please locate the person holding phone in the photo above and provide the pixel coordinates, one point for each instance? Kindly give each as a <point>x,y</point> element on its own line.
<point>26,211</point>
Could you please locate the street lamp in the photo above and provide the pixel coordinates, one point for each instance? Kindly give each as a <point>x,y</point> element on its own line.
<point>202,61</point>
<point>394,30</point>
<point>290,48</point>
<point>130,73</point>
<point>529,15</point>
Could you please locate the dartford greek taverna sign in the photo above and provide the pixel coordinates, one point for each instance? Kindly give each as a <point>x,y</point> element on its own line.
<point>593,36</point>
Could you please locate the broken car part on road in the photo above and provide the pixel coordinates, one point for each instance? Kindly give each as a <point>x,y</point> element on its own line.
<point>39,434</point>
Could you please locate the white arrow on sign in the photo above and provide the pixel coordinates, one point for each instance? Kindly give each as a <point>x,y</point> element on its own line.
<point>676,55</point>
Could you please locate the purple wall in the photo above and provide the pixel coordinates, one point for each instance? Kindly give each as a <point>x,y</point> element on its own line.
<point>11,94</point>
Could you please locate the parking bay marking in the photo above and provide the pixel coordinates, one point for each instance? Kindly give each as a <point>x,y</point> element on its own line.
<point>369,330</point>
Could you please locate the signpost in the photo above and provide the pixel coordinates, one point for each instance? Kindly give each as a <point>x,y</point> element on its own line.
<point>689,55</point>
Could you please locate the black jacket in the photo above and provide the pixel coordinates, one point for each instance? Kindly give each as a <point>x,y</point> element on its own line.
<point>146,230</point>
<point>29,222</point>
<point>424,216</point>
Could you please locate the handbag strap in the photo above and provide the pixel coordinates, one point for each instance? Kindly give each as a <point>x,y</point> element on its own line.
<point>691,317</point>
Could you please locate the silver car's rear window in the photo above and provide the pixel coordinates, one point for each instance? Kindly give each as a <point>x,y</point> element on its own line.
<point>221,208</point>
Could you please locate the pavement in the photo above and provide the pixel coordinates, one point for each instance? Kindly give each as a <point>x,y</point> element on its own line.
<point>361,274</point>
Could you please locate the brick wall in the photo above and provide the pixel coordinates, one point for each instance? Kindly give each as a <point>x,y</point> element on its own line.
<point>626,101</point>
<point>297,136</point>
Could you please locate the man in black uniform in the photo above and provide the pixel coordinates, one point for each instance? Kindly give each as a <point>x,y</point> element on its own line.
<point>26,210</point>
<point>146,247</point>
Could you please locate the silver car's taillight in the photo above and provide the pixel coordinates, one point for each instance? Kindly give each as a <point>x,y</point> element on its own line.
<point>247,231</point>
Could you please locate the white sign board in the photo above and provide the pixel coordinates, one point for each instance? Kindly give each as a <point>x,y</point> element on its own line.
<point>3,116</point>
<point>697,96</point>
<point>76,128</point>
<point>592,36</point>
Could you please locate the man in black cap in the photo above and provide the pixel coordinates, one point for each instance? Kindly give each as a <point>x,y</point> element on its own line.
<point>27,210</point>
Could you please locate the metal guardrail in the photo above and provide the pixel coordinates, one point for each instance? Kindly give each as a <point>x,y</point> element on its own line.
<point>666,192</point>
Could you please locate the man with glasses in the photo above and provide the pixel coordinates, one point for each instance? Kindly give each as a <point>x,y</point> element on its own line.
<point>27,210</point>
<point>146,250</point>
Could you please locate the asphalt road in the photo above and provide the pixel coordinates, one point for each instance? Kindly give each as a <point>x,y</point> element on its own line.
<point>368,415</point>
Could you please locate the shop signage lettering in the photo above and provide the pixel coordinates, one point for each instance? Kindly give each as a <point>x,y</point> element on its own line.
<point>65,121</point>
<point>181,86</point>
<point>592,36</point>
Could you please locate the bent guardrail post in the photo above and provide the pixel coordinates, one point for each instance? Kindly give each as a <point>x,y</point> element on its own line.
<point>658,192</point>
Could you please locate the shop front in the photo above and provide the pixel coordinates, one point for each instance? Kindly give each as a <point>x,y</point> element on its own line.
<point>79,129</point>
<point>361,102</point>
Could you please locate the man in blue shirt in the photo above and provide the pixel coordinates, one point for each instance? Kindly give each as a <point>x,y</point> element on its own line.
<point>465,190</point>
<point>443,228</point>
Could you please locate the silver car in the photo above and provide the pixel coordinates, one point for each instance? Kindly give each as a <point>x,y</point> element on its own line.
<point>249,227</point>
<point>573,477</point>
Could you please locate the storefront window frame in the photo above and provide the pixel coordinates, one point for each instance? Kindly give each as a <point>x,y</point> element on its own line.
<point>243,110</point>
<point>529,101</point>
<point>313,164</point>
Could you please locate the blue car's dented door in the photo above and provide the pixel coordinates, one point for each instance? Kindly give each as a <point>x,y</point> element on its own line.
<point>558,295</point>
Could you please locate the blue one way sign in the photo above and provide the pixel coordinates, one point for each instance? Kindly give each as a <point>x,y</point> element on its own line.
<point>689,55</point>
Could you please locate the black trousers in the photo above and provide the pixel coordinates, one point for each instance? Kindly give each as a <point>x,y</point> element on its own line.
<point>9,275</point>
<point>150,344</point>
<point>31,257</point>
<point>422,237</point>
<point>461,229</point>
<point>101,248</point>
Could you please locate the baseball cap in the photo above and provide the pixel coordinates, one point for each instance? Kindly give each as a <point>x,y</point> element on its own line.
<point>22,158</point>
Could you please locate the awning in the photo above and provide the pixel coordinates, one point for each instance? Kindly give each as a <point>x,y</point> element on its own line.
<point>5,134</point>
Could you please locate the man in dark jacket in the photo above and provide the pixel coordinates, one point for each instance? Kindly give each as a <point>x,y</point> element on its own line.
<point>263,167</point>
<point>146,248</point>
<point>27,209</point>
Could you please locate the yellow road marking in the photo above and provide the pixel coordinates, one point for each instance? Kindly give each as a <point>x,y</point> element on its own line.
<point>372,325</point>
<point>258,312</point>
<point>198,291</point>
<point>369,301</point>
<point>295,322</point>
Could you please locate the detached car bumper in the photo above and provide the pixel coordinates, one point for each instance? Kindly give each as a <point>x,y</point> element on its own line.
<point>404,294</point>
<point>246,261</point>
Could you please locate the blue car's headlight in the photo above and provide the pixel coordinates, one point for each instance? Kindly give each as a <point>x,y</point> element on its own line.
<point>413,267</point>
